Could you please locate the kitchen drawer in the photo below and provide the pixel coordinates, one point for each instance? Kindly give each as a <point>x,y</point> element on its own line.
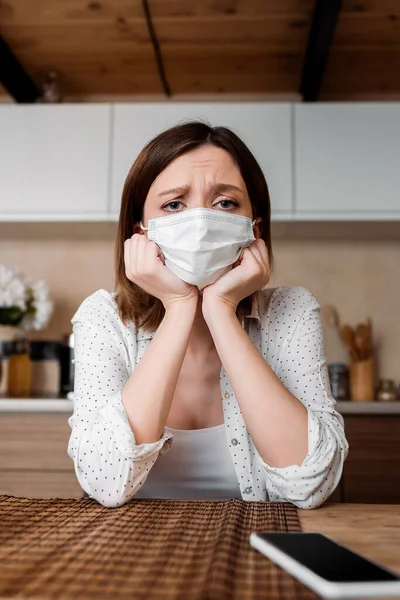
<point>35,441</point>
<point>33,456</point>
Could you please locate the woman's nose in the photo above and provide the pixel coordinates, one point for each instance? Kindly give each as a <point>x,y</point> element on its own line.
<point>200,202</point>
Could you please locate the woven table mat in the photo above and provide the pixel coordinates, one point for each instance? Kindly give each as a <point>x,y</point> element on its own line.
<point>78,549</point>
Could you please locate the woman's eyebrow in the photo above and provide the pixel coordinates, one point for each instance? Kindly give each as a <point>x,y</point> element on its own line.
<point>213,187</point>
<point>177,190</point>
<point>225,187</point>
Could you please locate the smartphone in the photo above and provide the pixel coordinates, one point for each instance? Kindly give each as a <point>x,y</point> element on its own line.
<point>328,568</point>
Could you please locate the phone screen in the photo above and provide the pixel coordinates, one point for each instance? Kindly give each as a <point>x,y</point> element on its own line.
<point>326,558</point>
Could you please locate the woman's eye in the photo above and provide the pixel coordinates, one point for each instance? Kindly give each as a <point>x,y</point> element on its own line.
<point>229,202</point>
<point>172,206</point>
<point>171,203</point>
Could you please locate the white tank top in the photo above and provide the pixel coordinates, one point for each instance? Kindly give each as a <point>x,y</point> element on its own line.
<point>198,465</point>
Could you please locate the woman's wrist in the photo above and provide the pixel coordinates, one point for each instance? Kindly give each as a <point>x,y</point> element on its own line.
<point>188,303</point>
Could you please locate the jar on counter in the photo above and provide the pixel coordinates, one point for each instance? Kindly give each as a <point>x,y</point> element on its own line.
<point>5,351</point>
<point>67,355</point>
<point>20,368</point>
<point>386,391</point>
<point>45,357</point>
<point>339,380</point>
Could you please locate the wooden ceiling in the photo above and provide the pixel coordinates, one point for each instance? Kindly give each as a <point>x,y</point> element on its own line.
<point>102,48</point>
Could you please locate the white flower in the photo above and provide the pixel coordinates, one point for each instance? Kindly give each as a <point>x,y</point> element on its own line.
<point>12,288</point>
<point>30,297</point>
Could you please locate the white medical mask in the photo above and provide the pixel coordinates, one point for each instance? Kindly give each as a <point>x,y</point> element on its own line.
<point>201,244</point>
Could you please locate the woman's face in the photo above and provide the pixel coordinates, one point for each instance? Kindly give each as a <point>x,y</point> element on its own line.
<point>203,178</point>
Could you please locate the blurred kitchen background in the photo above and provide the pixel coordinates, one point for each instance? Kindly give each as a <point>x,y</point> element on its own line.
<point>313,88</point>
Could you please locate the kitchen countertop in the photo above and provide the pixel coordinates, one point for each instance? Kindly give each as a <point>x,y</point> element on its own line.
<point>65,405</point>
<point>36,405</point>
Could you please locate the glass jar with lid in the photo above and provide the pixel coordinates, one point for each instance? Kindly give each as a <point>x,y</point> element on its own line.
<point>45,358</point>
<point>339,380</point>
<point>19,369</point>
<point>386,391</point>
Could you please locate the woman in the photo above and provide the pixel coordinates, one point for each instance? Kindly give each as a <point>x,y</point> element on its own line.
<point>193,379</point>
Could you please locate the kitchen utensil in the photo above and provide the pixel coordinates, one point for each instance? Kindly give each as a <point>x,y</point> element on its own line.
<point>369,323</point>
<point>369,336</point>
<point>363,341</point>
<point>331,315</point>
<point>335,351</point>
<point>347,336</point>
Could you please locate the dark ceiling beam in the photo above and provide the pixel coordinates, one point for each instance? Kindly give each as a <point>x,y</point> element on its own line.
<point>14,78</point>
<point>322,30</point>
<point>156,47</point>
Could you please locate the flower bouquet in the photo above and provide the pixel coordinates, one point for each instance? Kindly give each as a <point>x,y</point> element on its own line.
<point>24,303</point>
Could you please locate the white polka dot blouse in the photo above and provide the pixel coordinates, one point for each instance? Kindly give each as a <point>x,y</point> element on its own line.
<point>284,324</point>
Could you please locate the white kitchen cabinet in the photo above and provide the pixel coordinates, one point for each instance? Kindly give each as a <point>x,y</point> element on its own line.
<point>54,161</point>
<point>328,161</point>
<point>347,161</point>
<point>264,127</point>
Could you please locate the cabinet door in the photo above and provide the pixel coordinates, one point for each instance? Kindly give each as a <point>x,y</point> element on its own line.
<point>372,468</point>
<point>347,159</point>
<point>54,161</point>
<point>265,128</point>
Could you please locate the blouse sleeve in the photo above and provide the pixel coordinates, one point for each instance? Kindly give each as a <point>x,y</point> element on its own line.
<point>303,370</point>
<point>109,465</point>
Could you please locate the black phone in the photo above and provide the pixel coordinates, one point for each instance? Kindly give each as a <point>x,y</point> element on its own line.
<point>328,568</point>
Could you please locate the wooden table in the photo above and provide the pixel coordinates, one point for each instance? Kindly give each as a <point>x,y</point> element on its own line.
<point>74,534</point>
<point>371,529</point>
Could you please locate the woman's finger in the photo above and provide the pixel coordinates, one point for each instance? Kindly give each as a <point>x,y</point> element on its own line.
<point>264,251</point>
<point>262,248</point>
<point>139,251</point>
<point>127,258</point>
<point>260,252</point>
<point>133,252</point>
<point>256,253</point>
<point>155,251</point>
<point>239,259</point>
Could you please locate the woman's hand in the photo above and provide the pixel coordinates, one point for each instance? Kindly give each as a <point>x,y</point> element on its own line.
<point>145,266</point>
<point>250,272</point>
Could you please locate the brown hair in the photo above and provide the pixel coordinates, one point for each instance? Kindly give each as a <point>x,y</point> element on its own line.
<point>133,302</point>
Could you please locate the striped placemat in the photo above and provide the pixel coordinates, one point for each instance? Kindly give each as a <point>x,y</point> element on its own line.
<point>188,549</point>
